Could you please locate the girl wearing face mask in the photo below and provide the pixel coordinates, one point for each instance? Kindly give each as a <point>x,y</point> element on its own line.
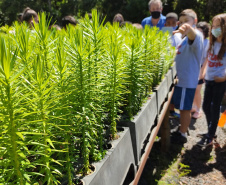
<point>215,77</point>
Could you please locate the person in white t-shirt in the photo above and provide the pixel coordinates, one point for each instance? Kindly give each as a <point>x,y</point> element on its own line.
<point>171,20</point>
<point>203,27</point>
<point>189,54</point>
<point>215,77</point>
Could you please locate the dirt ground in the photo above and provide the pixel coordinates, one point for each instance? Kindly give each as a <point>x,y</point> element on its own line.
<point>189,164</point>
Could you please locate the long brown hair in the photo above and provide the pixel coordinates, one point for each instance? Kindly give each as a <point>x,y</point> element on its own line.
<point>205,27</point>
<point>118,18</point>
<point>212,39</point>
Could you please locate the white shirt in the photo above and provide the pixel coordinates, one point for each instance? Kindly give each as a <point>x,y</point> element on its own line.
<point>215,67</point>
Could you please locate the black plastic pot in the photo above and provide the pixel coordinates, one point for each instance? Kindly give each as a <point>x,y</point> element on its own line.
<point>170,78</point>
<point>161,93</point>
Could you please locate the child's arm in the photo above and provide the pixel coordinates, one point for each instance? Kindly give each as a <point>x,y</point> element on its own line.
<point>186,29</point>
<point>219,79</point>
<point>203,69</point>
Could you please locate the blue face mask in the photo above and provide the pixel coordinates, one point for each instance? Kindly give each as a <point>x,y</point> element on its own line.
<point>216,32</point>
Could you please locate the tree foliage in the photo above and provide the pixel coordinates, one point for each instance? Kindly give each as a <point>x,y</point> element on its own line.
<point>205,9</point>
<point>132,10</point>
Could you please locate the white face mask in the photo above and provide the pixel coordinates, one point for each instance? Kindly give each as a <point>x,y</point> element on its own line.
<point>216,32</point>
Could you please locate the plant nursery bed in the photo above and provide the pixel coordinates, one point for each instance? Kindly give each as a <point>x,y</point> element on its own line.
<point>141,125</point>
<point>74,90</point>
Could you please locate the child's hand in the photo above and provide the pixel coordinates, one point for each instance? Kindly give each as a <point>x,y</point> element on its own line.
<point>219,79</point>
<point>184,29</point>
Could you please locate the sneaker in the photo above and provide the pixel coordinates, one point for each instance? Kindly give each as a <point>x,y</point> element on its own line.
<point>177,138</point>
<point>205,141</point>
<point>174,114</point>
<point>197,115</point>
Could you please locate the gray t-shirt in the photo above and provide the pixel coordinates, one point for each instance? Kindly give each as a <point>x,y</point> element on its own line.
<point>215,67</point>
<point>188,61</point>
<point>176,39</point>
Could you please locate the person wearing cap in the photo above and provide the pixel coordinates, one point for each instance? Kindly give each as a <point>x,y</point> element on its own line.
<point>156,18</point>
<point>171,20</point>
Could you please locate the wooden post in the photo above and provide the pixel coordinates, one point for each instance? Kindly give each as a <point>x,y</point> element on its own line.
<point>165,132</point>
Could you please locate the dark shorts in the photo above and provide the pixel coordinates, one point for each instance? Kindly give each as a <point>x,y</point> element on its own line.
<point>183,98</point>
